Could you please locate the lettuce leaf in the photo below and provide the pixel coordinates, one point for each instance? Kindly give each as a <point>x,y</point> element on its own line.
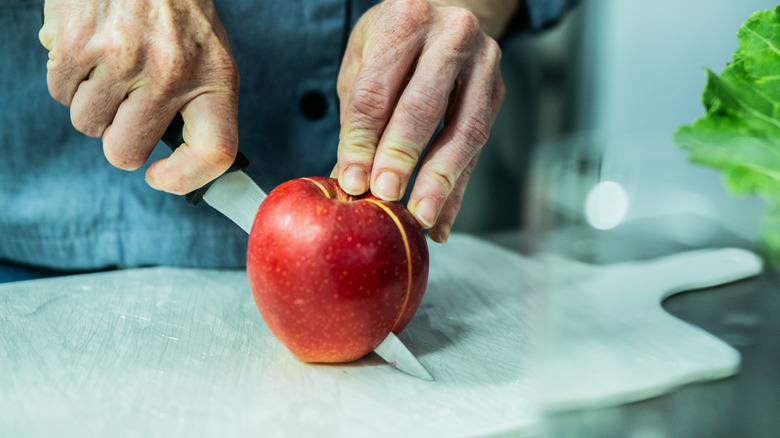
<point>740,133</point>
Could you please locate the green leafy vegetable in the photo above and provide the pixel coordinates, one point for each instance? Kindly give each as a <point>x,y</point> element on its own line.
<point>740,133</point>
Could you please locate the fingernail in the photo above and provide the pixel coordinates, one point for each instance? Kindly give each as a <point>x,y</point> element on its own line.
<point>427,209</point>
<point>444,233</point>
<point>355,180</point>
<point>388,186</point>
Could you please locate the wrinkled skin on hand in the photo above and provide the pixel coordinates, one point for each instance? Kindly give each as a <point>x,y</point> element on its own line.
<point>126,67</point>
<point>408,65</point>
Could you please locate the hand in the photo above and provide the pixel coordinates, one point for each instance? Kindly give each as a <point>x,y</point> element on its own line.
<point>408,65</point>
<point>125,67</point>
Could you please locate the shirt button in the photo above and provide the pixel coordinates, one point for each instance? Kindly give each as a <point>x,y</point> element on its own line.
<point>313,105</point>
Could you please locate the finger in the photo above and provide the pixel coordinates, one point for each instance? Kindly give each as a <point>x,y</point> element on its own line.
<point>70,62</point>
<point>211,143</point>
<point>440,232</point>
<point>350,65</point>
<point>96,102</point>
<point>465,132</point>
<point>420,109</point>
<point>347,73</point>
<point>138,125</point>
<point>64,76</point>
<point>387,56</point>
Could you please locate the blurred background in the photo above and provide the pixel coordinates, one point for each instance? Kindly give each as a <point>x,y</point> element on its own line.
<point>597,99</point>
<point>620,77</point>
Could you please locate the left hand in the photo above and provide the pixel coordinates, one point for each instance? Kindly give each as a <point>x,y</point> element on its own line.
<point>408,65</point>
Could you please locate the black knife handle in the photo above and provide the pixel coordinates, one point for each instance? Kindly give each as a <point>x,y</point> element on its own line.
<point>173,138</point>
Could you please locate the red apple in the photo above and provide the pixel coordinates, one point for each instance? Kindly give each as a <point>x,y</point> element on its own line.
<point>334,274</point>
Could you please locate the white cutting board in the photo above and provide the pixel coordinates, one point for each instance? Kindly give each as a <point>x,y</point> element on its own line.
<point>183,352</point>
<point>611,342</point>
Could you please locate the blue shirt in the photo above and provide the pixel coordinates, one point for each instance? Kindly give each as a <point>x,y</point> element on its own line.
<point>63,206</point>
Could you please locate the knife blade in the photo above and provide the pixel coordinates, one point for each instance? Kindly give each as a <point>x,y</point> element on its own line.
<point>237,196</point>
<point>396,354</point>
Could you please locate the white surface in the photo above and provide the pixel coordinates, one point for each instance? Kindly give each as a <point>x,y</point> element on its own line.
<point>180,352</point>
<point>183,352</point>
<point>611,341</point>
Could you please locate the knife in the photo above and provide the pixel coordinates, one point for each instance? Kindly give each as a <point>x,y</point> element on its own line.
<point>237,196</point>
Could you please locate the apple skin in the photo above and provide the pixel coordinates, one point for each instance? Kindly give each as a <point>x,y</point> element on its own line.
<point>334,274</point>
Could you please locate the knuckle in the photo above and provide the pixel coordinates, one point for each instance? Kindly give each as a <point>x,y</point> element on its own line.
<point>402,154</point>
<point>221,156</point>
<point>125,57</point>
<point>408,13</point>
<point>56,89</point>
<point>443,179</point>
<point>463,22</point>
<point>224,68</point>
<point>69,42</point>
<point>79,61</point>
<point>46,37</point>
<point>120,158</point>
<point>80,124</point>
<point>425,105</point>
<point>461,38</point>
<point>372,100</point>
<point>75,53</point>
<point>492,52</point>
<point>86,124</point>
<point>357,147</point>
<point>474,131</point>
<point>358,144</point>
<point>169,68</point>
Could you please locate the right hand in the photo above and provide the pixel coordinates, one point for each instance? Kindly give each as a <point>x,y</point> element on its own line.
<point>126,67</point>
<point>408,66</point>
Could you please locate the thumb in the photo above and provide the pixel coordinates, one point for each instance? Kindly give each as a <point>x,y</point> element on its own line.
<point>210,145</point>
